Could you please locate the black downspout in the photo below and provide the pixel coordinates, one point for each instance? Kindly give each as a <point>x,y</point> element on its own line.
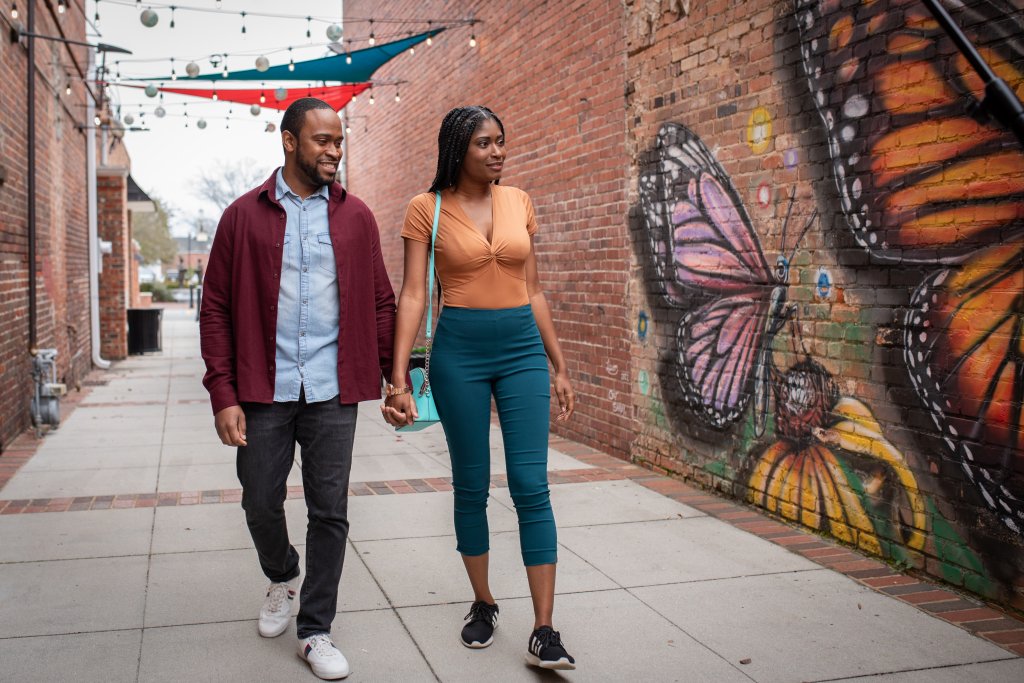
<point>31,178</point>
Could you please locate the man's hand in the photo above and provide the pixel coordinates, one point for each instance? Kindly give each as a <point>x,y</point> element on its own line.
<point>230,424</point>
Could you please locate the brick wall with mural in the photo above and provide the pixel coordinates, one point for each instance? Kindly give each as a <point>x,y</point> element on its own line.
<point>784,244</point>
<point>553,72</point>
<point>828,240</point>
<point>61,213</point>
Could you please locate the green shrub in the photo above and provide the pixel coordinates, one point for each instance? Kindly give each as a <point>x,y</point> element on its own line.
<point>159,290</point>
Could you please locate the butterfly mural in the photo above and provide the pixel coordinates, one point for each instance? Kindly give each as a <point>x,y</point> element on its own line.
<point>925,177</point>
<point>708,260</point>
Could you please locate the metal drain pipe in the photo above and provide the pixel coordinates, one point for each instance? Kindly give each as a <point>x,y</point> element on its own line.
<point>95,265</point>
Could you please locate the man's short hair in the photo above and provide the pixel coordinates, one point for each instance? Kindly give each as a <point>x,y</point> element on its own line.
<point>295,115</point>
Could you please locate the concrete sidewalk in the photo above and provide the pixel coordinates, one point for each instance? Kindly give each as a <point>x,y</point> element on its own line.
<point>124,557</point>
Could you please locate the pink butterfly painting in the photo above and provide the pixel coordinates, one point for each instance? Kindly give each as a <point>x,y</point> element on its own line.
<point>708,261</point>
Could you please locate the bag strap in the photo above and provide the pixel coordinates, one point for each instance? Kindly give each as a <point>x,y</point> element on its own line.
<point>425,389</point>
<point>430,270</point>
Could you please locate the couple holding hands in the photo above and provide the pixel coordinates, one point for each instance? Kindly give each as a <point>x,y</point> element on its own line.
<point>299,322</point>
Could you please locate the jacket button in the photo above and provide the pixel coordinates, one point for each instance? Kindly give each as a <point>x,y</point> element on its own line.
<point>273,308</point>
<point>278,244</point>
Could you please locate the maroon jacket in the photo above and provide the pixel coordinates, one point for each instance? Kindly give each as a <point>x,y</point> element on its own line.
<point>238,318</point>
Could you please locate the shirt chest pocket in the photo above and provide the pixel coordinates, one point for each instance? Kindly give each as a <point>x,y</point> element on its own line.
<point>325,253</point>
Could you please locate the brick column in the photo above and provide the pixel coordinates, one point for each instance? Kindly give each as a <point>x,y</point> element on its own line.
<point>112,191</point>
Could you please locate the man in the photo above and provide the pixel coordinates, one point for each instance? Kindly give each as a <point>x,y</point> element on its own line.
<point>287,363</point>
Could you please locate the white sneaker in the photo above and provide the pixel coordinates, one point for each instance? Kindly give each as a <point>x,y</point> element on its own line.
<point>276,613</point>
<point>326,660</point>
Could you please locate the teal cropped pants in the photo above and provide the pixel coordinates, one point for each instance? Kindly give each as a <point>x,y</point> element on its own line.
<point>477,354</point>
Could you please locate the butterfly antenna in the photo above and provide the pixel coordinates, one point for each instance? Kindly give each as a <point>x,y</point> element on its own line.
<point>785,223</point>
<point>803,232</point>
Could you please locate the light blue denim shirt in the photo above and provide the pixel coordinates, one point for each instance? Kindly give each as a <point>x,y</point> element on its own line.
<point>307,306</point>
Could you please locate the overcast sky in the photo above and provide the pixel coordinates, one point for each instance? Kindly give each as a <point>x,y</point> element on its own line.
<point>166,159</point>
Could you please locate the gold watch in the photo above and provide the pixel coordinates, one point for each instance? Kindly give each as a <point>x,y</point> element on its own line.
<point>391,390</point>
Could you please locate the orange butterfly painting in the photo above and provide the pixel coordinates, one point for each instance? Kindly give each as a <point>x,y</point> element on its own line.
<point>926,177</point>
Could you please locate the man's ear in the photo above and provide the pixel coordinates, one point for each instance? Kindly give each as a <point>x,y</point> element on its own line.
<point>289,141</point>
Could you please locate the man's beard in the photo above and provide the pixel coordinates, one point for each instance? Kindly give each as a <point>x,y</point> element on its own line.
<point>312,173</point>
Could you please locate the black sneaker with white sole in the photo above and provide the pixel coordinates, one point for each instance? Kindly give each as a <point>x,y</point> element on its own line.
<point>483,619</point>
<point>545,650</point>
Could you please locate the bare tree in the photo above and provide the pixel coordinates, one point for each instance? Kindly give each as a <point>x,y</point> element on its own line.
<point>152,234</point>
<point>226,181</point>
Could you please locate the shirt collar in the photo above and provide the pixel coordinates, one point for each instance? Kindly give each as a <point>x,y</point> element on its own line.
<point>282,189</point>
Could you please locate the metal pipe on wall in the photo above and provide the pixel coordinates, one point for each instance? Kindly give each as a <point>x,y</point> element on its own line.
<point>94,238</point>
<point>31,70</point>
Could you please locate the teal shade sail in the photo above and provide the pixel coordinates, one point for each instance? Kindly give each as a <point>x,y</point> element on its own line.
<point>329,69</point>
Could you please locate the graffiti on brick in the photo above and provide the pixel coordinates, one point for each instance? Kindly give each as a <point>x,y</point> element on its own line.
<point>709,262</point>
<point>829,456</point>
<point>927,177</point>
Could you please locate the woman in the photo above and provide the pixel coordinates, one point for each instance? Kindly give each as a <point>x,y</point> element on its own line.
<point>491,339</point>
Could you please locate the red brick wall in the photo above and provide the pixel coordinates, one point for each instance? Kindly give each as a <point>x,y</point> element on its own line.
<point>61,215</point>
<point>115,278</point>
<point>554,74</point>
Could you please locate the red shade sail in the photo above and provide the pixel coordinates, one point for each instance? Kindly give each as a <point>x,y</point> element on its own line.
<point>335,95</point>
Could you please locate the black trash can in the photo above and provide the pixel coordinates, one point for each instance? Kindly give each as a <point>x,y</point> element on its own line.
<point>144,335</point>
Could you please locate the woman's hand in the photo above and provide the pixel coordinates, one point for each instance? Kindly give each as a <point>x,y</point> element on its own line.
<point>566,396</point>
<point>400,410</point>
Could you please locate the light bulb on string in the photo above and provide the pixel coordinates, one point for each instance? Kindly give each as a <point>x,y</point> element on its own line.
<point>430,39</point>
<point>348,129</point>
<point>117,72</point>
<point>309,25</point>
<point>412,50</point>
<point>348,56</point>
<point>225,72</point>
<point>291,60</point>
<point>472,40</point>
<point>372,40</point>
<point>96,15</point>
<point>61,7</point>
<point>174,75</point>
<point>243,22</point>
<point>263,97</point>
<point>371,95</point>
<point>67,90</point>
<point>172,26</point>
<point>214,96</point>
<point>97,120</point>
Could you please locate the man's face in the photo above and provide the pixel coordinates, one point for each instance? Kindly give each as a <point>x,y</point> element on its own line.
<point>318,148</point>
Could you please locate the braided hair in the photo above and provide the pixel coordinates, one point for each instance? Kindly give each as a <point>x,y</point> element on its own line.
<point>453,140</point>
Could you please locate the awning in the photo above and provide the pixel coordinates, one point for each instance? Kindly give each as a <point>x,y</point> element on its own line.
<point>333,69</point>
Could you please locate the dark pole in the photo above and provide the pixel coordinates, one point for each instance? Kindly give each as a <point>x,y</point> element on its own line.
<point>31,179</point>
<point>1000,100</point>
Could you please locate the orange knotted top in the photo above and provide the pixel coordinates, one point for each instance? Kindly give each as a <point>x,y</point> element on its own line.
<point>475,273</point>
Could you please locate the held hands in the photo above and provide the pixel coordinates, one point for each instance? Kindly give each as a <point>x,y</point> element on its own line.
<point>399,410</point>
<point>230,424</point>
<point>566,396</point>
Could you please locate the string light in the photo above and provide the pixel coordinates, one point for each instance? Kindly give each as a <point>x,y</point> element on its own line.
<point>430,39</point>
<point>412,50</point>
<point>348,57</point>
<point>398,96</point>
<point>96,16</point>
<point>243,22</point>
<point>14,10</point>
<point>172,26</point>
<point>309,23</point>
<point>371,95</point>
<point>263,97</point>
<point>214,97</point>
<point>472,40</point>
<point>67,90</point>
<point>61,7</point>
<point>174,75</point>
<point>371,40</point>
<point>291,60</point>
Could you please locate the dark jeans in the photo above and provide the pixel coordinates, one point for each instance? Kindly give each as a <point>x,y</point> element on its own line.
<point>325,432</point>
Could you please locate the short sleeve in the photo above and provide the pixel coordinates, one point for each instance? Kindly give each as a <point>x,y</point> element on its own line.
<point>419,218</point>
<point>531,219</point>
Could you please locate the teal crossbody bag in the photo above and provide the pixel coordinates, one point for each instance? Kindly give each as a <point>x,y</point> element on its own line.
<point>421,391</point>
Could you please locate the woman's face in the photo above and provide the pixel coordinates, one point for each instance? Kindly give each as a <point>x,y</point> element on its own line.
<point>485,156</point>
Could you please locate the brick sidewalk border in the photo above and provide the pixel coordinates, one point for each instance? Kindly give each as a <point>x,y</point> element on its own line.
<point>985,621</point>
